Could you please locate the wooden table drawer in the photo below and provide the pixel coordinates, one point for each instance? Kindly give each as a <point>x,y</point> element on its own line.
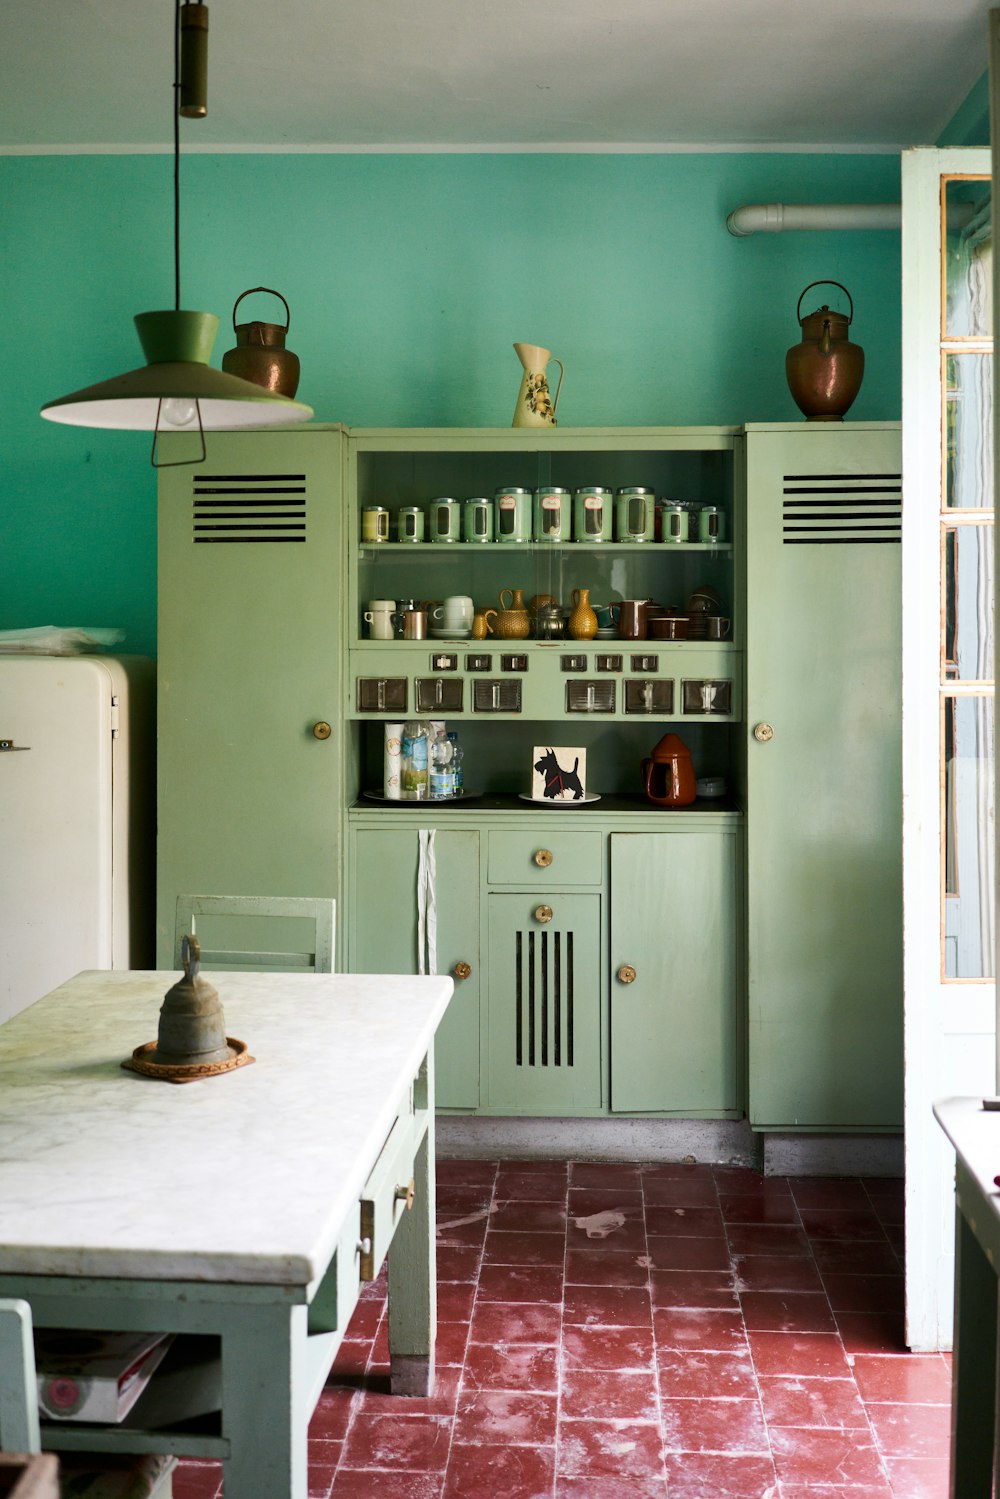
<point>547,856</point>
<point>388,1191</point>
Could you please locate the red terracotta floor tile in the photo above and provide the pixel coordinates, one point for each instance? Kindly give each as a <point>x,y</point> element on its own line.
<point>517,1283</point>
<point>611,1306</point>
<point>809,1455</point>
<point>603,1265</point>
<point>452,1338</point>
<point>458,1262</point>
<point>526,1216</point>
<point>609,1395</point>
<point>359,1483</point>
<point>582,1201</point>
<point>464,1172</point>
<point>868,1332</point>
<point>917,1378</point>
<point>693,1288</point>
<point>507,1418</point>
<point>758,1207</point>
<point>690,1222</point>
<point>695,1475</point>
<point>713,1426</point>
<point>412,1444</point>
<point>852,1224</point>
<point>814,1355</point>
<point>776,1272</point>
<point>918,1478</point>
<point>613,1174</point>
<point>332,1414</point>
<point>516,1322</point>
<point>680,1191</point>
<point>323,1460</point>
<point>700,1376</point>
<point>504,1472</point>
<point>607,1347</point>
<point>625,1449</point>
<point>537,1186</point>
<point>610,1488</point>
<point>711,1331</point>
<point>608,1227</point>
<point>515,1366</point>
<point>687,1254</point>
<point>375,1395</point>
<point>455,1300</point>
<point>747,1179</point>
<point>864,1293</point>
<point>790,1400</point>
<point>866,1257</point>
<point>766,1238</point>
<point>836,1491</point>
<point>787,1311</point>
<point>920,1431</point>
<point>524,1249</point>
<point>829,1192</point>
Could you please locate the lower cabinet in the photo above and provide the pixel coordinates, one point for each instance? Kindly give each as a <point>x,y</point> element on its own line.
<point>384,937</point>
<point>673,972</point>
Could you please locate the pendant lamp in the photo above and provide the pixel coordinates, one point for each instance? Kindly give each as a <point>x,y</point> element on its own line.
<point>176,390</point>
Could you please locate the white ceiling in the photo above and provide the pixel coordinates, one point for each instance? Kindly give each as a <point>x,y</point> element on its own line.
<point>315,73</point>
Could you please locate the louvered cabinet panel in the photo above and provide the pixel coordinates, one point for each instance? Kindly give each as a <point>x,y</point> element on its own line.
<point>249,661</point>
<point>544,1003</point>
<point>823,751</point>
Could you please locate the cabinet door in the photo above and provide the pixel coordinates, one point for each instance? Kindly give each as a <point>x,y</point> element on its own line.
<point>544,1003</point>
<point>384,937</point>
<point>673,920</point>
<point>249,566</point>
<point>824,842</point>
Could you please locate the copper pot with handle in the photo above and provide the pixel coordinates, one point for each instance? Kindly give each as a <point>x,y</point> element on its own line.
<point>260,355</point>
<point>825,370</point>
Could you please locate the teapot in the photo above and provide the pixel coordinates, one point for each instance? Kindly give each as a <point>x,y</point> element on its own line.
<point>825,370</point>
<point>668,774</point>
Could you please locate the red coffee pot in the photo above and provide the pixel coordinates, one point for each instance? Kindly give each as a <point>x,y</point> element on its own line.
<point>668,774</point>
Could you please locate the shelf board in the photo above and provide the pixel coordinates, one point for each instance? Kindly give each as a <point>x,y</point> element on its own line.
<point>369,548</point>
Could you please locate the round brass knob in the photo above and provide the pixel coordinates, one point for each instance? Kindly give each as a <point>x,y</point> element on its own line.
<point>626,974</point>
<point>762,732</point>
<point>543,914</point>
<point>321,730</point>
<point>543,857</point>
<point>405,1194</point>
<point>462,970</point>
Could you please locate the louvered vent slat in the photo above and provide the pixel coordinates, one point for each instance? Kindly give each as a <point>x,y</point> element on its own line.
<point>249,508</point>
<point>543,999</point>
<point>841,509</point>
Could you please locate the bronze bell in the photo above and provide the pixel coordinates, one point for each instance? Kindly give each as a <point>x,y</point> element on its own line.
<point>825,370</point>
<point>192,1029</point>
<point>260,354</point>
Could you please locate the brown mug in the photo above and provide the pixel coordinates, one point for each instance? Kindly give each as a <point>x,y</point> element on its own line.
<point>672,627</point>
<point>716,628</point>
<point>630,617</point>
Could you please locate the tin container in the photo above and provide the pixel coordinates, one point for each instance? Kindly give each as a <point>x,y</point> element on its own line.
<point>411,523</point>
<point>592,513</point>
<point>513,514</point>
<point>676,524</point>
<point>477,520</point>
<point>374,523</point>
<point>553,514</point>
<point>635,514</point>
<point>445,520</point>
<point>711,524</point>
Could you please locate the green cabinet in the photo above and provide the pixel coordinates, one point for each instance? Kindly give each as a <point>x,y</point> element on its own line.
<point>673,971</point>
<point>824,799</point>
<point>385,935</point>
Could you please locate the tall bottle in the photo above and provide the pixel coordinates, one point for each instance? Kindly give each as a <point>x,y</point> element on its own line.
<point>413,771</point>
<point>457,756</point>
<point>442,780</point>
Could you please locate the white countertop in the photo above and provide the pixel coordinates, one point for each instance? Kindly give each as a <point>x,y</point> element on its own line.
<point>244,1177</point>
<point>975,1134</point>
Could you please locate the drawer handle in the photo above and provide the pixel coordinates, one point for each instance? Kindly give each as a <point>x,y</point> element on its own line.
<point>626,974</point>
<point>462,970</point>
<point>763,732</point>
<point>366,1264</point>
<point>543,914</point>
<point>364,1246</point>
<point>404,1194</point>
<point>543,857</point>
<point>321,730</point>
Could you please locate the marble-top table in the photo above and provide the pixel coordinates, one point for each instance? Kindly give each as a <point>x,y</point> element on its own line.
<point>227,1206</point>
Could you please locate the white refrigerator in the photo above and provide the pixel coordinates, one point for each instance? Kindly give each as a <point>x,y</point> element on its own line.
<point>76,819</point>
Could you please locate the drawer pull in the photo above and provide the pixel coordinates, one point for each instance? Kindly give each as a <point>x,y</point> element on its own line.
<point>462,970</point>
<point>405,1194</point>
<point>543,914</point>
<point>366,1266</point>
<point>626,974</point>
<point>364,1246</point>
<point>321,730</point>
<point>543,857</point>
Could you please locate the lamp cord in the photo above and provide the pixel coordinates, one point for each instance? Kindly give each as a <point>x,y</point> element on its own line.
<point>177,155</point>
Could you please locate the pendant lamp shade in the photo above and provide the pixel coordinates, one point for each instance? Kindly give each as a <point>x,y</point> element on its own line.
<point>175,386</point>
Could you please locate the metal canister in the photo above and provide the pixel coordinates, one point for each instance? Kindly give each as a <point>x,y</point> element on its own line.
<point>410,523</point>
<point>592,513</point>
<point>553,514</point>
<point>477,519</point>
<point>374,523</point>
<point>446,520</point>
<point>635,516</point>
<point>513,513</point>
<point>711,524</point>
<point>675,523</point>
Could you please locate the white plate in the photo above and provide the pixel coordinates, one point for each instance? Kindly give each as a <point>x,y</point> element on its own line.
<point>451,634</point>
<point>437,801</point>
<point>540,801</point>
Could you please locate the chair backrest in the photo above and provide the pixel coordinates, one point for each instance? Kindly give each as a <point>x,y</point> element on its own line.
<point>18,1390</point>
<point>307,948</point>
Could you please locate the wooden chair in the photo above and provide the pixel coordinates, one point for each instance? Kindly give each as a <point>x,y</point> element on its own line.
<point>314,955</point>
<point>81,1476</point>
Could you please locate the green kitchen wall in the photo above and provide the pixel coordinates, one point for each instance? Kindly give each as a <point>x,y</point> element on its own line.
<point>408,277</point>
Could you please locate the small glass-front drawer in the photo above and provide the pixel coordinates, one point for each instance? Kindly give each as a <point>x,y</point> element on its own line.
<point>381,694</point>
<point>588,696</point>
<point>649,695</point>
<point>438,694</point>
<point>492,695</point>
<point>546,856</point>
<point>707,695</point>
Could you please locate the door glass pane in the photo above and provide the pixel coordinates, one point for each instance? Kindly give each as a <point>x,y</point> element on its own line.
<point>968,601</point>
<point>968,419</point>
<point>968,837</point>
<point>968,311</point>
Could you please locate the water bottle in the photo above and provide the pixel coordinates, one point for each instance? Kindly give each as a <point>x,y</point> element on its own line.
<point>457,755</point>
<point>413,777</point>
<point>442,779</point>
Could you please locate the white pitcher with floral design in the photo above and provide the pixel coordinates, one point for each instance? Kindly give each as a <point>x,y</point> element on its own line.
<point>536,406</point>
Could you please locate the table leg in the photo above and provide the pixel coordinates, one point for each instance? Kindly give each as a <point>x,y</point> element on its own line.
<point>974,1372</point>
<point>263,1403</point>
<point>413,1269</point>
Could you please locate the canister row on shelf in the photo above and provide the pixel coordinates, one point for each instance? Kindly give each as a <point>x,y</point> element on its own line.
<point>589,514</point>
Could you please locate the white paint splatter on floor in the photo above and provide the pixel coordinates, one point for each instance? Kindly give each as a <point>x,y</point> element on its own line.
<point>600,1225</point>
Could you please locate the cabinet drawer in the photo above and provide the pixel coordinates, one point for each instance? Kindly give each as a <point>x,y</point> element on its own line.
<point>384,1199</point>
<point>555,859</point>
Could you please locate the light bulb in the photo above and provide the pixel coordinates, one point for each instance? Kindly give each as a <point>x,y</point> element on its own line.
<point>179,411</point>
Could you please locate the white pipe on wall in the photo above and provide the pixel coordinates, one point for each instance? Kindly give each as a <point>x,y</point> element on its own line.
<point>773,218</point>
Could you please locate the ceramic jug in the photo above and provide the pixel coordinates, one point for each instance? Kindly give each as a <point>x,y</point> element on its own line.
<point>668,774</point>
<point>825,370</point>
<point>582,622</point>
<point>536,406</point>
<point>513,622</point>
